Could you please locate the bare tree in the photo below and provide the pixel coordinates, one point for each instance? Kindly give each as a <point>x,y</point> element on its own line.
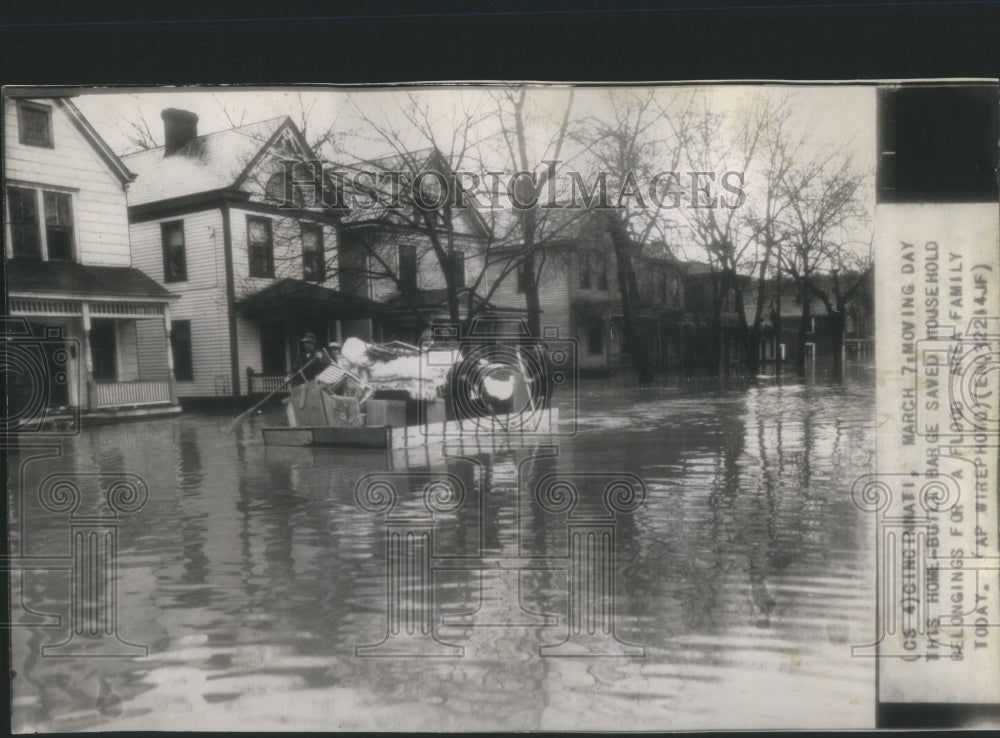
<point>628,147</point>
<point>824,198</point>
<point>535,227</point>
<point>426,191</point>
<point>738,240</point>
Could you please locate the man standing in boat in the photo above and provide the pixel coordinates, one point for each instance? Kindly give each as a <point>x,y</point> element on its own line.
<point>311,361</point>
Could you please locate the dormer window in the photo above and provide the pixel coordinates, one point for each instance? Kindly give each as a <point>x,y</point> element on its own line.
<point>34,124</point>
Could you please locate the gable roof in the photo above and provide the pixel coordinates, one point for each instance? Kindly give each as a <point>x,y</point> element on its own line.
<point>215,161</point>
<point>104,151</point>
<point>410,164</point>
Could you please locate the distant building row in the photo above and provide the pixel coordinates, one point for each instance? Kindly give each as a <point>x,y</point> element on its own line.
<point>178,276</point>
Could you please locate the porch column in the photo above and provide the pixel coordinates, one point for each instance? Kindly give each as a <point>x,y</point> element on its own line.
<point>167,329</point>
<point>88,360</point>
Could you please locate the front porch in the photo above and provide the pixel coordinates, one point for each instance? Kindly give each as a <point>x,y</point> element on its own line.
<point>272,322</point>
<point>97,355</point>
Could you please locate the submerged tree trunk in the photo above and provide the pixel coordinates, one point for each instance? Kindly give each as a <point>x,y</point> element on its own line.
<point>628,286</point>
<point>531,301</point>
<point>800,349</point>
<point>837,344</point>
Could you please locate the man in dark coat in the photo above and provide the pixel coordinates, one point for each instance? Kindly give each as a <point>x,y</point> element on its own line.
<point>311,361</point>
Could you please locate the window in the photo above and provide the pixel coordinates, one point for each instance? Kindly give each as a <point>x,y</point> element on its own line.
<point>174,257</point>
<point>602,272</point>
<point>260,246</point>
<point>22,205</point>
<point>34,124</point>
<point>103,350</point>
<point>180,346</point>
<point>58,225</point>
<point>313,263</point>
<point>458,268</point>
<point>595,335</point>
<point>664,295</point>
<point>408,268</point>
<point>27,236</point>
<point>584,270</point>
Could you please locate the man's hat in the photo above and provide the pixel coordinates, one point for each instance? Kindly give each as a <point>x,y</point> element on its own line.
<point>333,344</point>
<point>308,337</point>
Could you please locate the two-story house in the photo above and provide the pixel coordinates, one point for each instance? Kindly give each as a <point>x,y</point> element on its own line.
<point>579,294</point>
<point>209,221</point>
<point>406,251</point>
<point>101,325</point>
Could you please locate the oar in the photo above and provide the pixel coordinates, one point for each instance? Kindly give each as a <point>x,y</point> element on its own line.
<point>239,419</point>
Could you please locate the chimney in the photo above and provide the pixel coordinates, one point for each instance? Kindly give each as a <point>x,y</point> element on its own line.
<point>179,127</point>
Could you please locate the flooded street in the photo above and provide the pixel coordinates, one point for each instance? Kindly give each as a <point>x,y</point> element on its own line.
<point>264,591</point>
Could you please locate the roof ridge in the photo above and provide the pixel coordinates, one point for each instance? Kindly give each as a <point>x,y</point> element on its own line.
<point>208,135</point>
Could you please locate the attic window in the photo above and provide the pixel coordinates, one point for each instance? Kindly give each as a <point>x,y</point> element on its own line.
<point>278,188</point>
<point>34,124</point>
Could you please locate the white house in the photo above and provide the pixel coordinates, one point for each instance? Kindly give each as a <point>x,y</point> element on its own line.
<point>252,277</point>
<point>101,326</point>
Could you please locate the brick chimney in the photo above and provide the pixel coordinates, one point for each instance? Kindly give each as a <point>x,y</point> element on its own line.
<point>179,127</point>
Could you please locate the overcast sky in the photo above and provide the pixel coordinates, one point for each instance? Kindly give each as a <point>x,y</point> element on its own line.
<point>840,117</point>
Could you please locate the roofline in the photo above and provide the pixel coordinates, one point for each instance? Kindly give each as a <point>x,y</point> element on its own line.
<point>100,145</point>
<point>162,208</point>
<point>286,123</point>
<point>64,295</point>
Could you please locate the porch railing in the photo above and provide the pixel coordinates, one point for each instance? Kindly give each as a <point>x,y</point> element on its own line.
<point>123,394</point>
<point>262,384</point>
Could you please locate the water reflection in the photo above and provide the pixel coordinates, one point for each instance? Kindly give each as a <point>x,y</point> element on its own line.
<point>253,574</point>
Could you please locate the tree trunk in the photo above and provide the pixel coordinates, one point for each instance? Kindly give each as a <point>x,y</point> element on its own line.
<point>837,323</point>
<point>628,287</point>
<point>531,284</point>
<point>800,352</point>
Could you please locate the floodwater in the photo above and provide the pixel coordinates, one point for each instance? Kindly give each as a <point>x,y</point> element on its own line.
<point>268,598</point>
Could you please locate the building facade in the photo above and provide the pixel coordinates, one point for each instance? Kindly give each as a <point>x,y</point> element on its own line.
<point>579,295</point>
<point>102,326</point>
<point>209,222</point>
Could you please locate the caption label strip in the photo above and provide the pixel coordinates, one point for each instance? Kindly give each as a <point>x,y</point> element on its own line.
<point>934,493</point>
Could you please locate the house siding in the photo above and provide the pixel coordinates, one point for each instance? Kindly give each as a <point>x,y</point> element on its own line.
<point>286,235</point>
<point>202,297</point>
<point>100,218</point>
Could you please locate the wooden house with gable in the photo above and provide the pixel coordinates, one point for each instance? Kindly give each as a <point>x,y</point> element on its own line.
<point>209,221</point>
<point>101,326</point>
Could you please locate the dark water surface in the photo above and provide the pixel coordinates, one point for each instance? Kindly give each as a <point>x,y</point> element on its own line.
<point>252,575</point>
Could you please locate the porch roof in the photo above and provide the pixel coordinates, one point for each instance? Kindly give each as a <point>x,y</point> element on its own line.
<point>71,279</point>
<point>428,301</point>
<point>291,297</point>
